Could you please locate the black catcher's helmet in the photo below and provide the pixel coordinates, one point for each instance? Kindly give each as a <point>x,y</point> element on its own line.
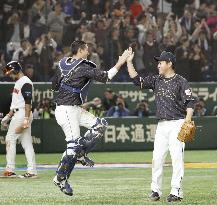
<point>13,66</point>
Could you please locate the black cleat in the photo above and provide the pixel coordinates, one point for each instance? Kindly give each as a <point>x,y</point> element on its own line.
<point>64,186</point>
<point>173,198</point>
<point>154,196</point>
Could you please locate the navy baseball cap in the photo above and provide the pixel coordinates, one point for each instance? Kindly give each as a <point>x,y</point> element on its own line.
<point>166,56</point>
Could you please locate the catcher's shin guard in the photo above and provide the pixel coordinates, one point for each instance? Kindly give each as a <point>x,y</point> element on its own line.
<point>93,135</point>
<point>100,126</point>
<point>67,163</point>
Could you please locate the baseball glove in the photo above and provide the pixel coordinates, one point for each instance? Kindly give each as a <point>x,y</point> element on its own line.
<point>187,132</point>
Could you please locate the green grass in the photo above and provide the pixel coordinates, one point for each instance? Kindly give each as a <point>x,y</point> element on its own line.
<point>110,186</point>
<point>121,157</point>
<point>120,186</point>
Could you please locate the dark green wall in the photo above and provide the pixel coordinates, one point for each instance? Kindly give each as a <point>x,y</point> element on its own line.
<point>123,134</point>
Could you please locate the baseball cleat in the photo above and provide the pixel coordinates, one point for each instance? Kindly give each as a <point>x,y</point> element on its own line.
<point>64,186</point>
<point>154,196</point>
<point>9,174</point>
<point>173,198</point>
<point>86,161</point>
<point>28,176</point>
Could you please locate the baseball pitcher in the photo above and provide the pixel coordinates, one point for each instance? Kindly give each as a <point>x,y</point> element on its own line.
<point>174,103</point>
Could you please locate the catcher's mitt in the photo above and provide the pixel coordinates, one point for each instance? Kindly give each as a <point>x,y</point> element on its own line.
<point>187,132</point>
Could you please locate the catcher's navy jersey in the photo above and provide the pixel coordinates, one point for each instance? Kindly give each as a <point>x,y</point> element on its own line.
<point>172,95</point>
<point>73,79</point>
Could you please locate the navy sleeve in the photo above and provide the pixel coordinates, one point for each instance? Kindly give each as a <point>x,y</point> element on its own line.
<point>26,91</point>
<point>56,80</point>
<point>95,74</point>
<point>147,82</point>
<point>186,94</point>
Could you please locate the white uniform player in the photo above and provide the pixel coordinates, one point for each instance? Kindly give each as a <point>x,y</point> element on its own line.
<point>20,125</point>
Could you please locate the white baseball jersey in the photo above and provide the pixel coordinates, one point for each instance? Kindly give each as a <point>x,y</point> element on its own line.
<point>17,97</point>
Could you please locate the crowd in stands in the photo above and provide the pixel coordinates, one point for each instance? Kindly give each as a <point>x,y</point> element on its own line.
<point>38,33</point>
<point>114,105</point>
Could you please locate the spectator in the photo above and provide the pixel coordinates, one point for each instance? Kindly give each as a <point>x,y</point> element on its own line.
<point>102,57</point>
<point>111,26</point>
<point>182,58</point>
<point>45,109</point>
<point>45,47</point>
<point>78,7</point>
<point>93,56</point>
<point>14,31</point>
<point>38,14</point>
<point>56,21</point>
<point>89,37</point>
<point>95,8</point>
<point>201,34</point>
<point>69,31</point>
<point>136,8</point>
<point>2,63</point>
<point>187,22</point>
<point>26,54</point>
<point>212,21</point>
<point>173,26</point>
<point>128,37</point>
<point>139,57</point>
<point>95,107</point>
<point>114,47</point>
<point>118,9</point>
<point>119,110</point>
<point>214,111</point>
<point>67,7</point>
<point>109,99</point>
<point>145,23</point>
<point>197,62</point>
<point>30,73</point>
<point>107,8</point>
<point>101,32</point>
<point>200,109</point>
<point>168,43</point>
<point>150,49</point>
<point>141,110</point>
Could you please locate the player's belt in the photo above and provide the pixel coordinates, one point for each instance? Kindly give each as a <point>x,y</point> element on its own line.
<point>69,88</point>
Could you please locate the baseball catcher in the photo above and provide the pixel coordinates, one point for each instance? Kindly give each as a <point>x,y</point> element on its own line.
<point>72,82</point>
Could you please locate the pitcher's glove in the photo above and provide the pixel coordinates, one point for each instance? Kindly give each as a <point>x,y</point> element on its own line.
<point>187,132</point>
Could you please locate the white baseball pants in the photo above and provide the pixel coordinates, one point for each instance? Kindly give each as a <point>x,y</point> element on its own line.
<point>70,118</point>
<point>166,140</point>
<point>26,141</point>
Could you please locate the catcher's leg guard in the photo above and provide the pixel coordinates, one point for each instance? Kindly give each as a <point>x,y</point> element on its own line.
<point>93,135</point>
<point>90,139</point>
<point>86,161</point>
<point>100,126</point>
<point>67,163</point>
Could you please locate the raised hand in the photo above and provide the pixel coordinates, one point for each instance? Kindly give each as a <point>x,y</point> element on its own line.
<point>130,57</point>
<point>131,70</point>
<point>123,58</point>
